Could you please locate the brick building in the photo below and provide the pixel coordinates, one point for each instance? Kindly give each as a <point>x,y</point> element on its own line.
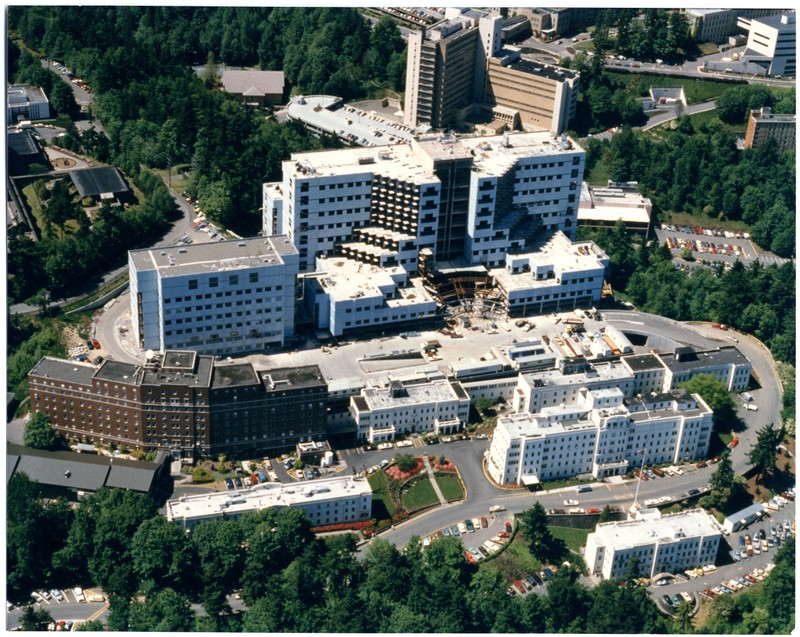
<point>184,402</point>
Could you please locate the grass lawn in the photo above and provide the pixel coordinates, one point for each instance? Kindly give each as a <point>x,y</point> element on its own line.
<point>574,538</point>
<point>599,174</point>
<point>419,495</point>
<point>696,90</point>
<point>382,505</point>
<point>35,204</point>
<point>451,487</point>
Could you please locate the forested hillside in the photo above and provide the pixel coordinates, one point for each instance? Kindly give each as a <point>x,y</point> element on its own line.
<point>292,582</point>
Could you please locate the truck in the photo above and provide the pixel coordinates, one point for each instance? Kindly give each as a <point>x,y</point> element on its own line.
<point>751,407</point>
<point>747,396</point>
<point>496,508</point>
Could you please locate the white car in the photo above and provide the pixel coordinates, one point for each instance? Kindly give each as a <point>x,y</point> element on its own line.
<point>78,592</point>
<point>570,503</point>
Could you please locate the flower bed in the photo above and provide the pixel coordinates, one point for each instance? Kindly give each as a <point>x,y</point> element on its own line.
<point>395,472</point>
<point>447,466</point>
<point>343,526</point>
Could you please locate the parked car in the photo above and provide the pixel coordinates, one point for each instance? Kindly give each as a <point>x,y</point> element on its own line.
<point>59,597</point>
<point>78,592</point>
<point>469,526</point>
<point>237,482</point>
<point>229,483</point>
<point>96,343</point>
<point>89,344</point>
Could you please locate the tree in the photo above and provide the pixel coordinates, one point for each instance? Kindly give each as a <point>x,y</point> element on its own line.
<point>218,544</point>
<point>723,482</point>
<point>39,434</point>
<point>683,618</point>
<point>486,599</point>
<point>93,625</point>
<point>405,462</point>
<point>762,455</point>
<point>35,620</point>
<point>567,603</point>
<point>63,99</point>
<point>165,611</point>
<point>715,395</point>
<point>163,556</point>
<point>533,524</point>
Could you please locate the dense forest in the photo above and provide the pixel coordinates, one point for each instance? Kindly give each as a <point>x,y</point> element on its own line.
<point>292,582</point>
<point>156,110</point>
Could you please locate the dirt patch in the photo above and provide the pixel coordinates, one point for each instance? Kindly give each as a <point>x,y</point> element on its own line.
<point>63,162</point>
<point>71,337</point>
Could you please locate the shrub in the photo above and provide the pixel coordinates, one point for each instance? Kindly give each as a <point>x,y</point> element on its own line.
<point>201,475</point>
<point>405,462</point>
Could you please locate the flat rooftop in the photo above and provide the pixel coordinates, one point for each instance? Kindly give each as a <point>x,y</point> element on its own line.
<point>560,254</point>
<point>436,391</point>
<point>599,372</point>
<point>328,113</point>
<point>398,161</point>
<point>548,71</point>
<point>233,375</point>
<point>199,377</point>
<point>496,155</point>
<point>344,278</point>
<point>215,256</point>
<point>292,377</point>
<point>706,358</point>
<point>643,362</point>
<point>60,369</point>
<point>666,528</point>
<point>263,496</point>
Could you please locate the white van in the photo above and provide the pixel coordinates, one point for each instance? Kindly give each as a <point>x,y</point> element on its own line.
<point>78,592</point>
<point>584,488</point>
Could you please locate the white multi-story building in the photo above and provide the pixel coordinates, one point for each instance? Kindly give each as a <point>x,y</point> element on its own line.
<point>349,297</point>
<point>662,543</point>
<point>601,433</point>
<point>401,408</point>
<point>214,298</point>
<point>326,501</point>
<point>560,276</point>
<point>469,199</point>
<point>728,364</point>
<point>538,390</point>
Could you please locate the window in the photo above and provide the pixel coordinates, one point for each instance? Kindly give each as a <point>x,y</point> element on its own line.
<point>234,279</point>
<point>254,277</point>
<point>192,284</point>
<point>213,282</point>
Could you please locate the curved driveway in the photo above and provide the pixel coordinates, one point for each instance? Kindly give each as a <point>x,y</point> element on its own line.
<point>481,494</point>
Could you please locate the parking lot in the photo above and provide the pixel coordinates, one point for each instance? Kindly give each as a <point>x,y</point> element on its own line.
<point>737,568</point>
<point>712,246</point>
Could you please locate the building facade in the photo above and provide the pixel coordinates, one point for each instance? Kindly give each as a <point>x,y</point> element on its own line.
<point>214,298</point>
<point>601,433</point>
<point>405,407</point>
<point>772,43</point>
<point>669,543</point>
<point>26,102</point>
<point>183,402</point>
<point>762,125</point>
<point>326,501</point>
<point>716,25</point>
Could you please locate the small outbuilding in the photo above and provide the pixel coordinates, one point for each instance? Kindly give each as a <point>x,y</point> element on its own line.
<point>102,183</point>
<point>255,88</point>
<point>72,475</point>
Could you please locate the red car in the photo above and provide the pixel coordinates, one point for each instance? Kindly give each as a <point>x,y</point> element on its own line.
<point>96,343</point>
<point>733,443</point>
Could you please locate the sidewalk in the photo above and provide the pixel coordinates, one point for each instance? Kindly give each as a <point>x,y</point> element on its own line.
<point>435,484</point>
